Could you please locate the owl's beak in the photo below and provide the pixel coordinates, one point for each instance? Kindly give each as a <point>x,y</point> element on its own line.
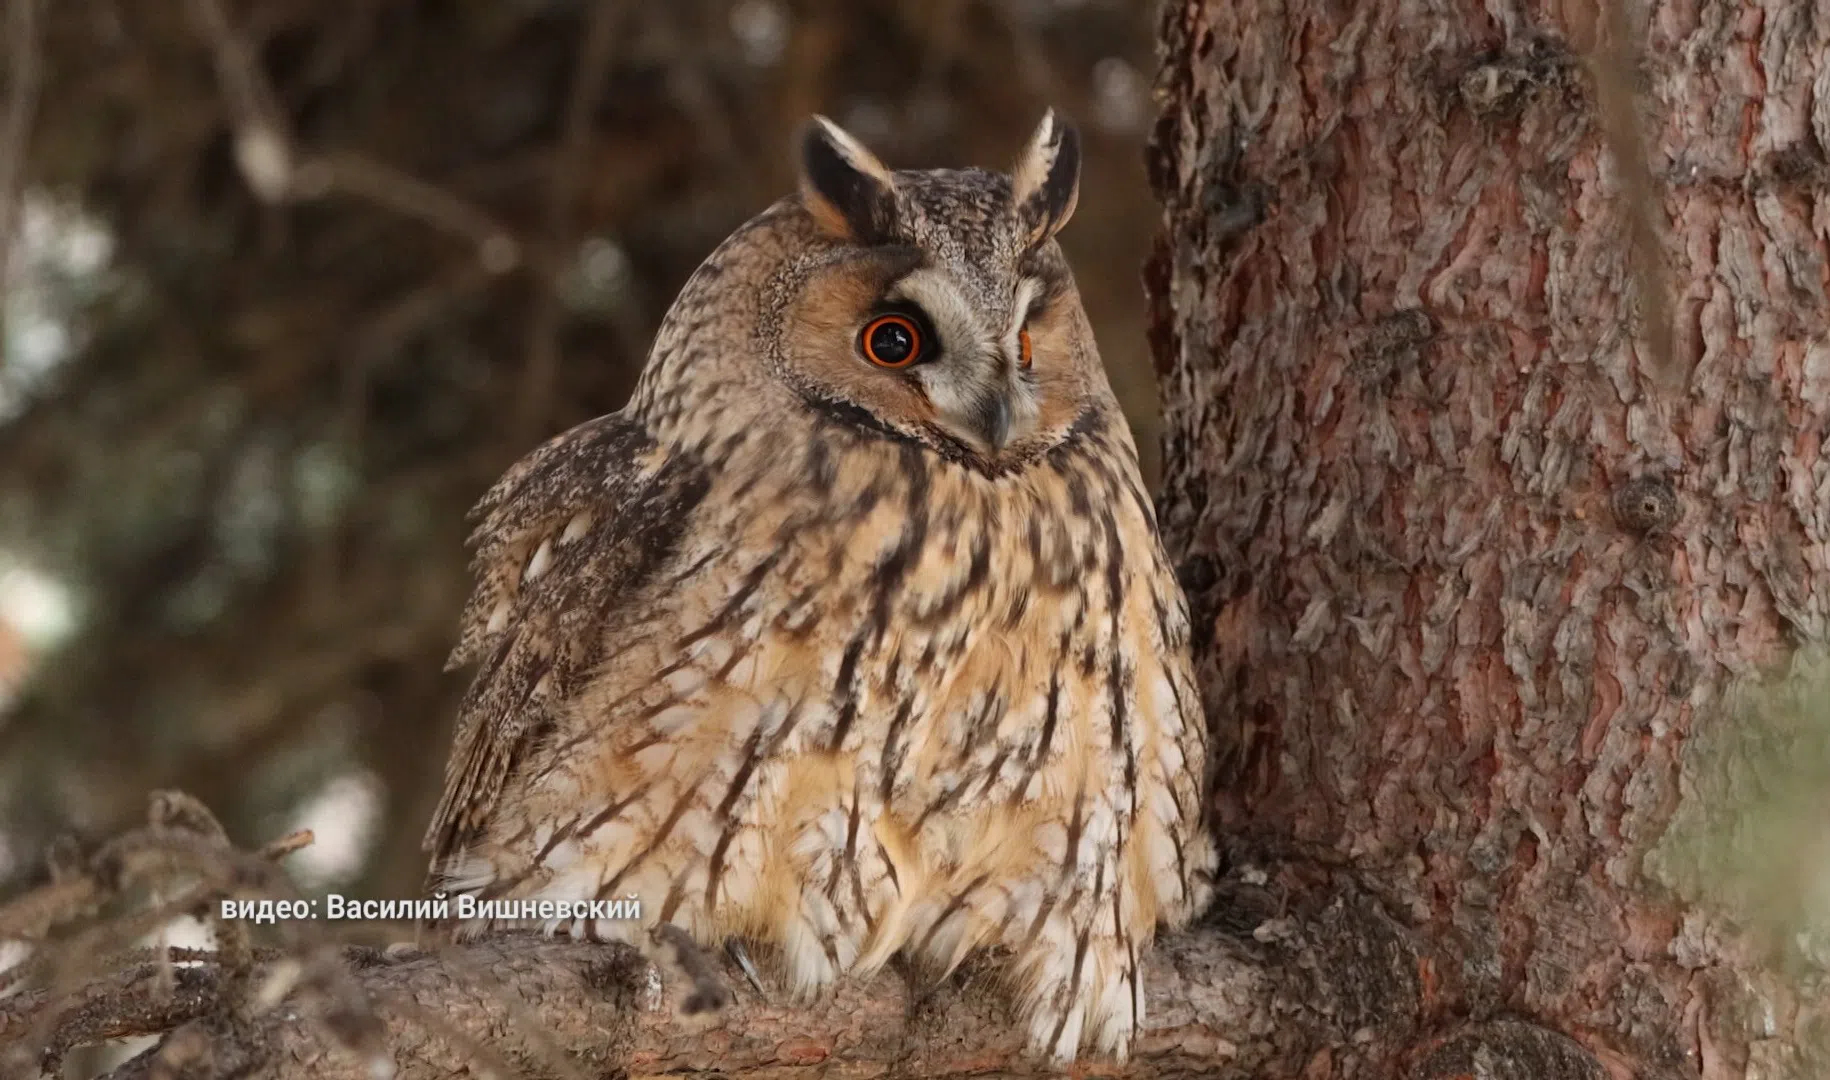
<point>991,421</point>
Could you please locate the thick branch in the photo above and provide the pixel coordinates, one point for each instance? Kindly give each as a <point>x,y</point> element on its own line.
<point>1290,969</point>
<point>1214,999</point>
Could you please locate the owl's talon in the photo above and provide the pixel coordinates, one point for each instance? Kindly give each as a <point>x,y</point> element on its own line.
<point>739,953</point>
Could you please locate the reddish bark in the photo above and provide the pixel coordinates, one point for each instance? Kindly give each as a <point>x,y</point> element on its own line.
<point>1477,563</point>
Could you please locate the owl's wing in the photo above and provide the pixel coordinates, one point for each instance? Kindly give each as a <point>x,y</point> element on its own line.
<point>567,534</point>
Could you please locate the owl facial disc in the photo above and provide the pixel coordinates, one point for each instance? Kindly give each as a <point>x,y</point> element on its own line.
<point>934,306</point>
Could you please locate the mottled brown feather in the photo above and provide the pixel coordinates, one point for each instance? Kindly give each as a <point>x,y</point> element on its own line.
<point>851,662</point>
<point>610,471</point>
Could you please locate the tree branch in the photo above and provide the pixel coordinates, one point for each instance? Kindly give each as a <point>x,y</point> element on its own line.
<point>550,1007</point>
<point>24,77</point>
<point>1268,990</point>
<point>272,164</point>
<point>1615,68</point>
<point>590,72</point>
<point>1291,968</point>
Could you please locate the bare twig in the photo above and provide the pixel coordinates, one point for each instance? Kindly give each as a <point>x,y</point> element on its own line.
<point>1614,67</point>
<point>588,75</point>
<point>263,139</point>
<point>386,186</point>
<point>24,76</point>
<point>276,170</point>
<point>286,845</point>
<point>182,851</point>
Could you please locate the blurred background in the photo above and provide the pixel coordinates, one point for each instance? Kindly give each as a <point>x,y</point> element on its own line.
<point>290,282</point>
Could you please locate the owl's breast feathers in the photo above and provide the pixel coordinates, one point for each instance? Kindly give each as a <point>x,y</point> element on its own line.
<point>726,671</point>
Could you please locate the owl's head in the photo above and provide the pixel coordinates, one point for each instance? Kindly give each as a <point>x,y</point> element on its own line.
<point>940,307</point>
<point>932,306</point>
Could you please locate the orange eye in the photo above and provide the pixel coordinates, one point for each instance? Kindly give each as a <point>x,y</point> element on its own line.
<point>891,341</point>
<point>1024,357</point>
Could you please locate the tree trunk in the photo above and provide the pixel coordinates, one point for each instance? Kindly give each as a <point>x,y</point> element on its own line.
<point>1485,534</point>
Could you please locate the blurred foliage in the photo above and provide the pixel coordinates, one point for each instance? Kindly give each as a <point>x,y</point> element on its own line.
<point>1751,837</point>
<point>254,468</point>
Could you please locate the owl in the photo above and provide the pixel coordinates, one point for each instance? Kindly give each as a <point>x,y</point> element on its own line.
<point>851,636</point>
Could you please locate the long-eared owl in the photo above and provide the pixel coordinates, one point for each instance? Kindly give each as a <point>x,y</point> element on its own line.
<point>851,635</point>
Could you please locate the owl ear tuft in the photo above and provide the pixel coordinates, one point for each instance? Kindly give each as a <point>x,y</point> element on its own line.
<point>844,186</point>
<point>1045,185</point>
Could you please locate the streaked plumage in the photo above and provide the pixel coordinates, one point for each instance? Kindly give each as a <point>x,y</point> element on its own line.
<point>843,660</point>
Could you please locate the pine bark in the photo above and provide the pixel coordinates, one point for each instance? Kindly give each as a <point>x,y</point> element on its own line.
<point>1483,536</point>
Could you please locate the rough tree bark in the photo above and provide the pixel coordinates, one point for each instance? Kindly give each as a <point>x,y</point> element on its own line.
<point>1483,531</point>
<point>1477,550</point>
